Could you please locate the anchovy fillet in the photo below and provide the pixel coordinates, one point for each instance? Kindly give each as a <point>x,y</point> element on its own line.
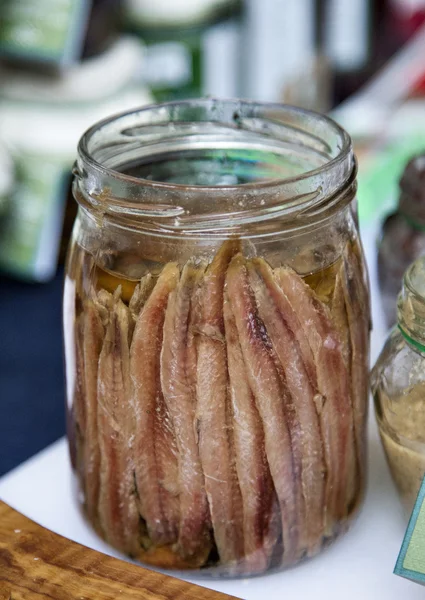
<point>333,403</point>
<point>92,339</point>
<point>118,512</point>
<point>356,303</point>
<point>305,431</point>
<point>212,414</point>
<point>272,400</point>
<point>155,453</point>
<point>251,462</point>
<point>178,379</point>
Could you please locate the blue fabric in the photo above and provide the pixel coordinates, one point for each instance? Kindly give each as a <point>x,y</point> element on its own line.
<point>31,369</point>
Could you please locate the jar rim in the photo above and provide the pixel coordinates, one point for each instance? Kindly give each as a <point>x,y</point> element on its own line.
<point>264,123</point>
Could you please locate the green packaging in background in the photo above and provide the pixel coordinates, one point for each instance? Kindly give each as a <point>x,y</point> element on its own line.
<point>30,230</point>
<point>193,58</point>
<point>378,179</point>
<point>50,31</point>
<point>411,560</point>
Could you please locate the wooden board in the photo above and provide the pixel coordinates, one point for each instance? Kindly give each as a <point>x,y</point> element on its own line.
<point>37,564</point>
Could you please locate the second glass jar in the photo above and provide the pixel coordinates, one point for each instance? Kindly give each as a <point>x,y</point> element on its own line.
<point>398,387</point>
<point>216,318</point>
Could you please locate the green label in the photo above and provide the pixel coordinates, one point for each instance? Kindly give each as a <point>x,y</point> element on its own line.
<point>379,178</point>
<point>43,30</point>
<point>411,560</point>
<point>31,228</point>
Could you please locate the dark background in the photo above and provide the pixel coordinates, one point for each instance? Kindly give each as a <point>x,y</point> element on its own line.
<point>31,368</point>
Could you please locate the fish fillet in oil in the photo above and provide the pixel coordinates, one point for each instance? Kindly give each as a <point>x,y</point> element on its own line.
<point>305,431</point>
<point>333,403</point>
<point>155,451</point>
<point>272,399</point>
<point>119,517</point>
<point>178,379</point>
<point>212,414</point>
<point>260,534</point>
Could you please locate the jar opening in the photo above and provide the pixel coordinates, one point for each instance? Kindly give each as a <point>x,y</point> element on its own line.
<point>223,165</point>
<point>165,161</point>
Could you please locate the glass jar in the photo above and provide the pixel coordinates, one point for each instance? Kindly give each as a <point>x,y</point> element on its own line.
<point>403,236</point>
<point>216,319</point>
<point>398,386</point>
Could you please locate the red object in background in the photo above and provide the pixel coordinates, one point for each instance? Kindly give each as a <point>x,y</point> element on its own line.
<point>406,17</point>
<point>419,89</point>
<point>408,21</point>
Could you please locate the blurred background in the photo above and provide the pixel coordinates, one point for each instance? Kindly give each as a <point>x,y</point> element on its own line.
<point>65,64</point>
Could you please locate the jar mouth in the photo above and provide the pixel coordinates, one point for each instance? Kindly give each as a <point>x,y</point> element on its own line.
<point>158,161</point>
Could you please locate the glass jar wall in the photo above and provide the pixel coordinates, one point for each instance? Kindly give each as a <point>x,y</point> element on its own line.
<point>398,386</point>
<point>216,318</point>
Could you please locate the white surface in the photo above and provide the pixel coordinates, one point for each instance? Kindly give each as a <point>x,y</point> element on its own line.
<point>359,566</point>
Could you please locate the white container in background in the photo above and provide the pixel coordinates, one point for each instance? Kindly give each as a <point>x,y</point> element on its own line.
<point>41,121</point>
<point>193,47</point>
<point>172,13</point>
<point>346,33</point>
<point>279,43</point>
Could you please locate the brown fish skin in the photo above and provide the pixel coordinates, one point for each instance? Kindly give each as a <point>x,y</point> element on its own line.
<point>272,399</point>
<point>239,567</point>
<point>155,457</point>
<point>211,420</point>
<point>356,248</point>
<point>119,517</point>
<point>339,316</point>
<point>340,320</point>
<point>333,403</point>
<point>140,295</point>
<point>104,305</point>
<point>293,320</point>
<point>79,405</point>
<point>77,415</point>
<point>178,380</point>
<point>356,304</point>
<point>251,462</point>
<point>92,340</point>
<point>273,542</point>
<point>305,432</point>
